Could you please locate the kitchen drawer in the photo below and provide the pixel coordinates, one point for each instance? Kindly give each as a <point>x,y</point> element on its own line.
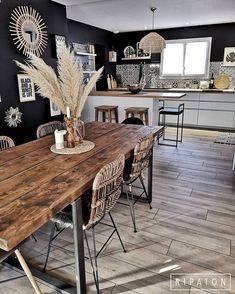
<point>223,106</point>
<point>223,97</point>
<point>212,118</point>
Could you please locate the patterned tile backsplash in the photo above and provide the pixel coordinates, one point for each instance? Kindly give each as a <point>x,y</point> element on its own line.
<point>130,73</point>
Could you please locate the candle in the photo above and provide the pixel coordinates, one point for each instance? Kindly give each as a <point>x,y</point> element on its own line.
<point>68,111</point>
<point>59,139</point>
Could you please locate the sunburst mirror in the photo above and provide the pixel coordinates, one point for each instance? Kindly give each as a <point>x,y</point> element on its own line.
<point>28,30</point>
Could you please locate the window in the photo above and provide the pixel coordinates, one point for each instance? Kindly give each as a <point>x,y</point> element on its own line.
<point>188,58</point>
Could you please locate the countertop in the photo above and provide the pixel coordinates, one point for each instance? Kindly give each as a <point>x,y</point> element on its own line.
<point>167,90</point>
<point>142,94</point>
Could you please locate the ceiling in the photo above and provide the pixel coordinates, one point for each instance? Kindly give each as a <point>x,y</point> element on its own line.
<point>134,15</point>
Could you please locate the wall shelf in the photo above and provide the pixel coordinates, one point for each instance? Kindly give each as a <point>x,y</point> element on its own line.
<point>85,53</point>
<point>89,71</point>
<point>137,58</point>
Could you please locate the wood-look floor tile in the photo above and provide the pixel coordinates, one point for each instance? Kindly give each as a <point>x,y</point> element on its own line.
<point>137,279</point>
<point>203,257</point>
<point>227,218</point>
<point>204,226</point>
<point>173,206</point>
<point>195,202</point>
<point>17,286</point>
<point>192,237</point>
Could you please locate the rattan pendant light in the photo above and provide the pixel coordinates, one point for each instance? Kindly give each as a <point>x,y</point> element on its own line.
<point>153,42</point>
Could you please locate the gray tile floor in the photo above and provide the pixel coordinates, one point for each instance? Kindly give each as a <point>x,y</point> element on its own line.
<point>191,228</point>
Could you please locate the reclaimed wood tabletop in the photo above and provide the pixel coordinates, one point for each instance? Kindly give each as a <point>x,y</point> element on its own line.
<point>35,183</point>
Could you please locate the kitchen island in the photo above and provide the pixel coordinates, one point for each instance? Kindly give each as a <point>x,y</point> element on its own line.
<point>124,99</point>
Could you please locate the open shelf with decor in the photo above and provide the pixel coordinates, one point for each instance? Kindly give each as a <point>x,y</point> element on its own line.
<point>135,54</point>
<point>85,53</point>
<point>137,58</point>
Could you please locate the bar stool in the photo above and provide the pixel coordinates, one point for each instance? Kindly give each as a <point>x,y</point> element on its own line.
<point>106,109</point>
<point>176,111</point>
<point>142,112</point>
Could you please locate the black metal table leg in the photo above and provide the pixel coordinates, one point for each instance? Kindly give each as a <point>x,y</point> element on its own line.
<point>79,246</point>
<point>150,176</point>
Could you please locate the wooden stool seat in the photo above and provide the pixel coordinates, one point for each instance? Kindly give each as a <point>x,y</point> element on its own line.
<point>106,109</point>
<point>142,112</point>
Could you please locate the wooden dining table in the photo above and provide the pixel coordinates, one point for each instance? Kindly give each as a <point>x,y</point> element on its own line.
<point>35,184</point>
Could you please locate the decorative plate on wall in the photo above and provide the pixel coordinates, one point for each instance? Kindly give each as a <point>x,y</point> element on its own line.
<point>222,82</point>
<point>28,30</point>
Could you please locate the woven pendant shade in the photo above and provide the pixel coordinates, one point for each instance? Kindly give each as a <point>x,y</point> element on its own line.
<point>152,43</point>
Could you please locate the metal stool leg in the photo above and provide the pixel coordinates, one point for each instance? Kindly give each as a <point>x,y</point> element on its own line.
<point>116,115</point>
<point>96,115</point>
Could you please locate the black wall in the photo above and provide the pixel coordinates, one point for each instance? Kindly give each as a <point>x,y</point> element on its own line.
<point>35,112</point>
<point>222,36</point>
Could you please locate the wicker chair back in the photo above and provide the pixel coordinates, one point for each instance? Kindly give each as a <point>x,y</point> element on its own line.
<point>6,143</point>
<point>142,153</point>
<point>49,128</point>
<point>106,190</point>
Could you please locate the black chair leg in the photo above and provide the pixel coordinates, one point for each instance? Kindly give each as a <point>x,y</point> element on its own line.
<point>132,209</point>
<point>93,263</point>
<point>145,191</point>
<point>116,230</point>
<point>177,132</point>
<point>182,127</point>
<point>49,245</point>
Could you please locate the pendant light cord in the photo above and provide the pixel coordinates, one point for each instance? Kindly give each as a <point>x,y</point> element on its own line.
<point>153,9</point>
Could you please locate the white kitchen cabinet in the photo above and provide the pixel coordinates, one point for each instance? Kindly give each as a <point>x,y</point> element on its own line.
<point>210,118</point>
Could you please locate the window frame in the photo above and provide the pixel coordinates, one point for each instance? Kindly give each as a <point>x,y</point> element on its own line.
<point>208,40</point>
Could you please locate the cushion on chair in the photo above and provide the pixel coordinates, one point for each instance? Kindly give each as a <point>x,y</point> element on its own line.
<point>170,110</point>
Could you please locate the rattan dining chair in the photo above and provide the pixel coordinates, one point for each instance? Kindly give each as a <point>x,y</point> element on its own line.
<point>106,190</point>
<point>6,143</point>
<point>6,254</point>
<point>134,169</point>
<point>49,128</point>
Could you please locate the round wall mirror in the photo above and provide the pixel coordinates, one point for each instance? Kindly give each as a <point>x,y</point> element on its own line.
<point>28,30</point>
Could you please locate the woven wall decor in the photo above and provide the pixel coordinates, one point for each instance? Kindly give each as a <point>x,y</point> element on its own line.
<point>28,30</point>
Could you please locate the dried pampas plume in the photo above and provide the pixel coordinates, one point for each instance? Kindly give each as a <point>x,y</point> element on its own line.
<point>66,89</point>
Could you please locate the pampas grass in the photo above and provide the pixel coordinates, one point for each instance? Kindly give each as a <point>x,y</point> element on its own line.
<point>66,89</point>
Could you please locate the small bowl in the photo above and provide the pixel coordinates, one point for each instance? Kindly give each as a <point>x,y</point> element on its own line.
<point>135,88</point>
